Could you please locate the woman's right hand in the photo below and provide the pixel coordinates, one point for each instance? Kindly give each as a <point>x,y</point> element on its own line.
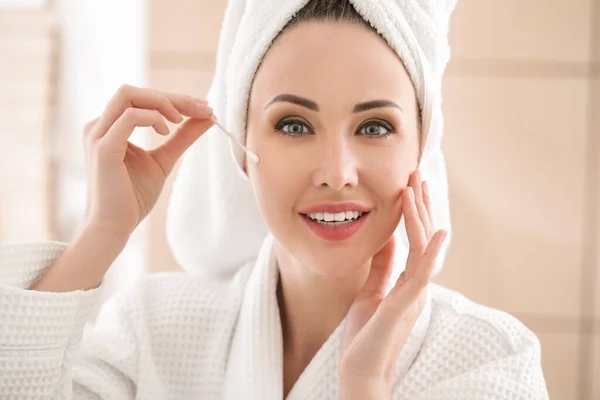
<point>124,181</point>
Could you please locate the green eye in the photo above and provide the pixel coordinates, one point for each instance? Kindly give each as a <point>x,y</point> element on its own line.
<point>376,129</point>
<point>292,127</point>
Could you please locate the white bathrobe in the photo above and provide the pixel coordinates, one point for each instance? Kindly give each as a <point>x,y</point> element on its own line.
<point>178,336</point>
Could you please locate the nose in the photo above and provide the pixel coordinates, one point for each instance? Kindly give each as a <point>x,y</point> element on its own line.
<point>337,166</point>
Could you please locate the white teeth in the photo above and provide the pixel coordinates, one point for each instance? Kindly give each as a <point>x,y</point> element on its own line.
<point>336,217</point>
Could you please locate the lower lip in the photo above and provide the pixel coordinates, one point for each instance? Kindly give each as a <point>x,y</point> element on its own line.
<point>335,233</point>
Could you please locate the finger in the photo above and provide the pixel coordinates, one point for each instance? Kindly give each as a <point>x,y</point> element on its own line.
<point>427,201</point>
<point>190,106</point>
<point>129,96</point>
<point>119,133</point>
<point>90,125</point>
<point>417,236</point>
<point>429,259</point>
<point>135,151</point>
<point>167,154</point>
<point>414,226</point>
<point>171,106</point>
<point>391,324</point>
<point>388,329</point>
<point>404,294</point>
<point>416,182</point>
<point>403,329</point>
<point>379,274</point>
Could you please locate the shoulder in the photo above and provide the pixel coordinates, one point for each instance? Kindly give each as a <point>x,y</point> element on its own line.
<point>176,325</point>
<point>181,299</point>
<point>470,350</point>
<point>468,339</point>
<point>456,316</point>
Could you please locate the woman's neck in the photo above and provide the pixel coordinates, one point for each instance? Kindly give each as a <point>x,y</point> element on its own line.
<point>311,306</point>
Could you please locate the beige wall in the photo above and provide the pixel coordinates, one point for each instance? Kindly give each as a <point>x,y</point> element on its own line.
<point>523,170</point>
<point>182,60</point>
<point>522,150</point>
<point>27,47</point>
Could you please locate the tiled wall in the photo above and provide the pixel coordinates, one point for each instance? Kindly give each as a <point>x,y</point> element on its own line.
<point>27,46</point>
<point>593,267</point>
<point>522,106</point>
<point>182,60</point>
<point>523,167</point>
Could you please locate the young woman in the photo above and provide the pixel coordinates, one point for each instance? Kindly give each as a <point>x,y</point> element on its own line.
<point>337,120</point>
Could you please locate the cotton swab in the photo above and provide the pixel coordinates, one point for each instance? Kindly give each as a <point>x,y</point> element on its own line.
<point>251,156</point>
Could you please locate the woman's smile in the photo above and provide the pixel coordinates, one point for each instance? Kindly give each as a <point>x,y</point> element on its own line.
<point>335,222</point>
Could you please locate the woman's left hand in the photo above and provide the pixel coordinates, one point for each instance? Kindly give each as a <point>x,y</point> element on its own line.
<point>377,326</point>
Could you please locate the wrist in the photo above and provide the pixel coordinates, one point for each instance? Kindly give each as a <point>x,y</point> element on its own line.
<point>106,233</point>
<point>84,262</point>
<point>356,388</point>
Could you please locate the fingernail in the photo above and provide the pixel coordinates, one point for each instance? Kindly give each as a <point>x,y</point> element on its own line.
<point>419,179</point>
<point>444,236</point>
<point>203,106</point>
<point>425,188</point>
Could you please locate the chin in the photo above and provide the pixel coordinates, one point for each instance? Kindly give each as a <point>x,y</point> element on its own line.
<point>330,258</point>
<point>335,263</point>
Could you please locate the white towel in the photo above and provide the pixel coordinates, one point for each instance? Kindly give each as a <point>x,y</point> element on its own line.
<point>214,225</point>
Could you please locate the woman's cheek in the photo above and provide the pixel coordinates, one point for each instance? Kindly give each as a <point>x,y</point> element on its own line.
<point>276,185</point>
<point>385,174</point>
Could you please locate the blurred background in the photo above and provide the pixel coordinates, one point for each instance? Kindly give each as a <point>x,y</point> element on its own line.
<point>522,110</point>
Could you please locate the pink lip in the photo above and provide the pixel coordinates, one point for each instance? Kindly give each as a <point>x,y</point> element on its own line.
<point>334,208</point>
<point>335,233</point>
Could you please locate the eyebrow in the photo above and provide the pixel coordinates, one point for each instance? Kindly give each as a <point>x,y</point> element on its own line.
<point>369,105</point>
<point>311,105</point>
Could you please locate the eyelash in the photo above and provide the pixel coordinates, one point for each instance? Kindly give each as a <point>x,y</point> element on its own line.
<point>291,121</point>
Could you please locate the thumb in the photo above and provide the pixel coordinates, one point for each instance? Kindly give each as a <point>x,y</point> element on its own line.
<point>381,269</point>
<point>169,152</point>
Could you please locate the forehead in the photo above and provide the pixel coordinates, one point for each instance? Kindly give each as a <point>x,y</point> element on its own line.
<point>329,59</point>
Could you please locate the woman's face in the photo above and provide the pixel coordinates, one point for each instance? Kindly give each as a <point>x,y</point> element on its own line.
<point>333,117</point>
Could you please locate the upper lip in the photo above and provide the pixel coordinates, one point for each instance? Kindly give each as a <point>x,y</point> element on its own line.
<point>334,208</point>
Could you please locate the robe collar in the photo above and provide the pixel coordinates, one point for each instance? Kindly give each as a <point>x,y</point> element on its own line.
<point>255,363</point>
